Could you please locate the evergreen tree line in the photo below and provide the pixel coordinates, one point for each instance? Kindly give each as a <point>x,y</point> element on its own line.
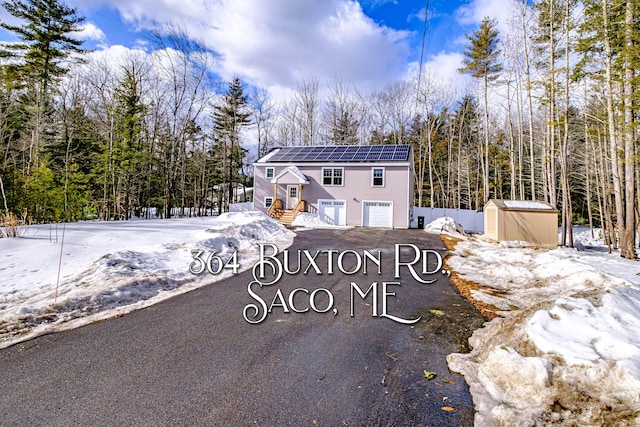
<point>552,115</point>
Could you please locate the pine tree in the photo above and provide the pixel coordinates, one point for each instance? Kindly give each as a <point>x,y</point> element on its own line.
<point>45,40</point>
<point>343,129</point>
<point>36,62</point>
<point>482,62</point>
<point>127,154</point>
<point>229,119</point>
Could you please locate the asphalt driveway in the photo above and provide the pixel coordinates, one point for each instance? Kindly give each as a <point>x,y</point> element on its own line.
<point>194,359</point>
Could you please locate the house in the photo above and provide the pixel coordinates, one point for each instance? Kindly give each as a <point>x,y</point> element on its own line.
<point>361,185</point>
<point>524,220</point>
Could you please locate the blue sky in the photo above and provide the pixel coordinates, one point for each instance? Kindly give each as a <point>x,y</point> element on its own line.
<point>276,43</point>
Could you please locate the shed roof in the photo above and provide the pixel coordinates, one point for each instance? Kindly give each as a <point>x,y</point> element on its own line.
<point>523,205</point>
<point>338,153</point>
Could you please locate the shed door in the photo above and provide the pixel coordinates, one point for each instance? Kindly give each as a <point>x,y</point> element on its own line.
<point>377,214</point>
<point>333,211</point>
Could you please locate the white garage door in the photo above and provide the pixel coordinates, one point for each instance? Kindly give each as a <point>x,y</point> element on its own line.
<point>333,211</point>
<point>377,214</point>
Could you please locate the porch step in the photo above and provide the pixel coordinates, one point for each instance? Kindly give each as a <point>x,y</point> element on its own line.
<point>285,216</point>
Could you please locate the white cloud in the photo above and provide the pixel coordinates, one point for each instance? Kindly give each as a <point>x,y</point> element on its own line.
<point>276,43</point>
<point>445,64</point>
<point>442,70</point>
<point>91,32</point>
<point>473,12</point>
<point>116,55</point>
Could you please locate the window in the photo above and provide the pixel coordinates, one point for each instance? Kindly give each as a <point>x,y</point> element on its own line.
<point>268,201</point>
<point>332,176</point>
<point>377,177</point>
<point>270,173</point>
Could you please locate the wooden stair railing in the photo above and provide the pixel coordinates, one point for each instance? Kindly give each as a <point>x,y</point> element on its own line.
<point>275,206</point>
<point>286,216</point>
<point>300,207</point>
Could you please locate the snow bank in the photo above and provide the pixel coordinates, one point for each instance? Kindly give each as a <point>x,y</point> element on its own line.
<point>567,351</point>
<point>111,268</point>
<point>445,225</point>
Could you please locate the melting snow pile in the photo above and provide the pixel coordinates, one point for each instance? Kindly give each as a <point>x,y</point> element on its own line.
<point>445,225</point>
<point>110,268</point>
<point>567,351</point>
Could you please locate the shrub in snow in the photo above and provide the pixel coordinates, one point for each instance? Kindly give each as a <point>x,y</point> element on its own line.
<point>9,225</point>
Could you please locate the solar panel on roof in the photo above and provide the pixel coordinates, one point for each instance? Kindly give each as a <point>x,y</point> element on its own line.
<point>328,150</point>
<point>401,153</point>
<point>315,154</point>
<point>345,153</point>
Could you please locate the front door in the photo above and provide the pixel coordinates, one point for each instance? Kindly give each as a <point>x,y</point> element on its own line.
<point>292,196</point>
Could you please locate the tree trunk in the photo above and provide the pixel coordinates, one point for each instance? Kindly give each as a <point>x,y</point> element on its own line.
<point>567,217</point>
<point>613,143</point>
<point>521,192</point>
<point>512,151</point>
<point>486,139</point>
<point>627,244</point>
<point>532,160</point>
<point>430,160</point>
<point>4,197</point>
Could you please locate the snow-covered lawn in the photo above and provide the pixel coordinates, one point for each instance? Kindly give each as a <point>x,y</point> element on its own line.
<point>567,351</point>
<point>111,268</point>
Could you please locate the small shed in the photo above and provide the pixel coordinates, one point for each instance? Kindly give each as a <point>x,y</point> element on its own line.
<point>525,220</point>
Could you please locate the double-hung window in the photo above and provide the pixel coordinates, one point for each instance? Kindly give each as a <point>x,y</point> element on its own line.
<point>332,176</point>
<point>269,173</point>
<point>377,177</point>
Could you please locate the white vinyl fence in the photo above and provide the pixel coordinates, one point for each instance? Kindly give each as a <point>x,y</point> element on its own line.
<point>472,221</point>
<point>241,207</point>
